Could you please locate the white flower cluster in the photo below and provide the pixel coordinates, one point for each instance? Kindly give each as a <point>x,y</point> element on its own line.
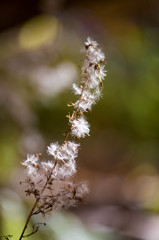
<point>80,127</point>
<point>65,156</point>
<point>31,163</point>
<point>63,164</point>
<point>92,75</point>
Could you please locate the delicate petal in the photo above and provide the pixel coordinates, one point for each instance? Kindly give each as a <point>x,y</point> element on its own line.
<point>91,42</point>
<point>47,166</point>
<point>77,90</point>
<point>64,171</point>
<point>99,55</point>
<point>31,159</point>
<point>84,105</point>
<point>52,149</point>
<point>102,72</point>
<point>80,127</point>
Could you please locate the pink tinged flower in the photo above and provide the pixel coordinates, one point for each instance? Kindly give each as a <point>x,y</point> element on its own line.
<point>80,127</point>
<point>82,190</point>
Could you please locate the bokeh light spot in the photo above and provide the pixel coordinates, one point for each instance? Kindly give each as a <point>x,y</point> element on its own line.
<point>38,31</point>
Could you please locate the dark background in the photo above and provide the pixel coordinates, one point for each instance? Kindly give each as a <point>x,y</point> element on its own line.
<point>40,58</point>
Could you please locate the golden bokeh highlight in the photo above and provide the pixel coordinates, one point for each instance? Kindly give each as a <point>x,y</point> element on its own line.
<point>38,31</point>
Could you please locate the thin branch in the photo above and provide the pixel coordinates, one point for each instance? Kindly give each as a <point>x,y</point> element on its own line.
<point>28,219</point>
<point>6,237</point>
<point>35,228</point>
<point>33,208</point>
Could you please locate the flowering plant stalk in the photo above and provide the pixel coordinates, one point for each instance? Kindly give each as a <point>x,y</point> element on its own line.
<point>49,180</point>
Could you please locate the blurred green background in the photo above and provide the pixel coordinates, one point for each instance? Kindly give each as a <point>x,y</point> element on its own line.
<point>40,58</point>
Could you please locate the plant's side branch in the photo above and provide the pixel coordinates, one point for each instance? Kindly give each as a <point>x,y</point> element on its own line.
<point>35,229</point>
<point>6,237</point>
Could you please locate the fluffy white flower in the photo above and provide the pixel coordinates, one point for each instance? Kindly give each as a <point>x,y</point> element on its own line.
<point>77,90</point>
<point>91,77</point>
<point>65,152</point>
<point>99,55</point>
<point>52,149</point>
<point>47,166</point>
<point>69,150</point>
<point>102,72</point>
<point>64,171</point>
<point>90,42</point>
<point>85,66</point>
<point>97,93</point>
<point>32,166</point>
<point>31,160</point>
<point>92,55</point>
<point>32,172</point>
<point>80,127</point>
<point>93,81</point>
<point>85,106</point>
